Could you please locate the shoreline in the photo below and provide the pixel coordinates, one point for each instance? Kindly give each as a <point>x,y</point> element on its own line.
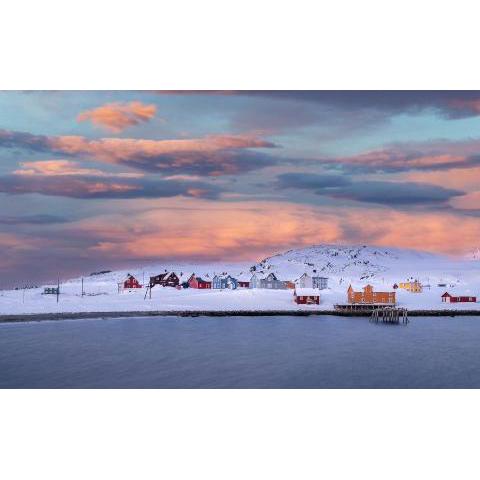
<point>38,317</point>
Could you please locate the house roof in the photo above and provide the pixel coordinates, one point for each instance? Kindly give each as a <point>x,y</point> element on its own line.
<point>200,279</point>
<point>244,277</point>
<point>271,274</point>
<point>259,275</point>
<point>185,276</point>
<point>307,292</point>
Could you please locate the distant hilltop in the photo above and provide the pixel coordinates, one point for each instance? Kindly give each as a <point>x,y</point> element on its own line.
<point>358,262</point>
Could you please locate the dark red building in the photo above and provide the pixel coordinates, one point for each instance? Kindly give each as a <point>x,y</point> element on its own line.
<point>167,279</point>
<point>446,297</point>
<point>306,296</point>
<point>242,284</point>
<point>131,282</point>
<point>198,282</point>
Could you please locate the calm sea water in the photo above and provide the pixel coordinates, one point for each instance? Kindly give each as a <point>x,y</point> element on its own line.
<point>241,352</point>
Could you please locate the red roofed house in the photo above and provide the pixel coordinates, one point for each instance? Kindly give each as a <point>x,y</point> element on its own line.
<point>446,297</point>
<point>306,296</point>
<point>198,282</point>
<point>129,283</point>
<point>243,280</point>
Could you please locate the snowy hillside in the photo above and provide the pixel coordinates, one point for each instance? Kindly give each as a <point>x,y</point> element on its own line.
<point>343,265</point>
<point>362,263</point>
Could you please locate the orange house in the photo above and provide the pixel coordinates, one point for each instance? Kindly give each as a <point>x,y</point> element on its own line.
<point>369,296</point>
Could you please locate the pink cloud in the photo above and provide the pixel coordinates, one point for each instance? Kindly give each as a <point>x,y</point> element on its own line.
<point>460,178</point>
<point>211,155</point>
<point>116,117</point>
<point>426,156</point>
<point>65,167</point>
<point>397,159</point>
<point>469,201</point>
<point>237,231</point>
<point>472,105</point>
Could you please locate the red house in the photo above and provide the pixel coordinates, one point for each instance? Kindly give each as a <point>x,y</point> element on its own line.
<point>198,282</point>
<point>129,283</point>
<point>446,297</point>
<point>306,296</point>
<point>243,280</point>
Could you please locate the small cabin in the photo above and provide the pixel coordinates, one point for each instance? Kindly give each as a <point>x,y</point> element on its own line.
<point>131,282</point>
<point>306,296</point>
<point>446,297</point>
<point>412,287</point>
<point>243,280</point>
<point>167,279</point>
<point>199,282</point>
<point>51,291</point>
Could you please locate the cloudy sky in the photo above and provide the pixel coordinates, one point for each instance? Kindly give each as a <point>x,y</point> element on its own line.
<point>100,180</point>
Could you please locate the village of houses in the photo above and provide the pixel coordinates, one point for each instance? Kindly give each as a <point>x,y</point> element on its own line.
<point>306,290</point>
<point>348,279</point>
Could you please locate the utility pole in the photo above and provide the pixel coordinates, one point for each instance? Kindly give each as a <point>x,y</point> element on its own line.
<point>58,288</point>
<point>83,293</point>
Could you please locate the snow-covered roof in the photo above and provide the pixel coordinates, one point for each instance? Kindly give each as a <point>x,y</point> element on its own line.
<point>307,292</point>
<point>185,276</point>
<point>200,279</point>
<point>243,277</point>
<point>259,275</point>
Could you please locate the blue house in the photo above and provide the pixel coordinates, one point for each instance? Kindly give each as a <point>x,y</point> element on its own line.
<point>269,281</point>
<point>224,281</point>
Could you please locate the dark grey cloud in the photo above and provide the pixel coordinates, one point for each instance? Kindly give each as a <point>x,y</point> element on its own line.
<point>396,193</point>
<point>91,187</point>
<point>379,192</point>
<point>450,103</point>
<point>201,163</point>
<point>24,140</point>
<point>40,219</point>
<point>312,181</point>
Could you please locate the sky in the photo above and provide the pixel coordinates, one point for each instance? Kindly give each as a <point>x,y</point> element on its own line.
<point>94,180</point>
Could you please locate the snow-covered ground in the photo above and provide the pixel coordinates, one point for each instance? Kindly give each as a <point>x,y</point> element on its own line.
<point>356,265</point>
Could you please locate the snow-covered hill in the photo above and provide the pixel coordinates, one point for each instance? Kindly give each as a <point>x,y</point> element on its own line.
<point>343,265</point>
<point>363,263</point>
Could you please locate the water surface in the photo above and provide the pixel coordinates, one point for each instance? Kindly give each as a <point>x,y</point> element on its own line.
<point>241,352</point>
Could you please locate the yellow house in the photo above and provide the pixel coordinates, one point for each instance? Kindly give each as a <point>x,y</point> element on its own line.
<point>413,287</point>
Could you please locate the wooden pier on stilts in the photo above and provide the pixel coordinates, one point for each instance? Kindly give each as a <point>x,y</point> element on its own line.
<point>378,312</point>
<point>393,315</point>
